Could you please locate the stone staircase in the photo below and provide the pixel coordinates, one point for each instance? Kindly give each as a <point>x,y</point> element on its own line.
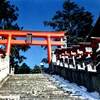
<point>32,87</point>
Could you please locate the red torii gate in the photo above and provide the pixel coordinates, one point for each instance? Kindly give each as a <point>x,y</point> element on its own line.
<point>39,34</point>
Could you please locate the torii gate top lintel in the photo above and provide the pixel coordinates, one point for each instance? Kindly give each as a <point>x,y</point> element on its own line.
<point>40,34</point>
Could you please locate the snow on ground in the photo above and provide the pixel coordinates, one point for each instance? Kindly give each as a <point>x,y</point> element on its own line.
<point>74,89</point>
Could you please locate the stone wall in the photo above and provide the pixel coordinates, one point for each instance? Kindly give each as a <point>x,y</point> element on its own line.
<point>4,67</point>
<point>90,80</point>
<point>79,64</point>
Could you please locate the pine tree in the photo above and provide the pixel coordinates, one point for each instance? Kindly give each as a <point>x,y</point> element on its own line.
<point>73,19</point>
<point>8,17</point>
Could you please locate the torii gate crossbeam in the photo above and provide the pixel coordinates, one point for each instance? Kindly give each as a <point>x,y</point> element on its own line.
<point>9,34</point>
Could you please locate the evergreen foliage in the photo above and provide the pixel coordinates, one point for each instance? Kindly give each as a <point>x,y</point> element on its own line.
<point>73,19</point>
<point>8,17</point>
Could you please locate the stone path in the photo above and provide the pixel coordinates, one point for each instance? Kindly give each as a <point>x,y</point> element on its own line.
<point>32,87</point>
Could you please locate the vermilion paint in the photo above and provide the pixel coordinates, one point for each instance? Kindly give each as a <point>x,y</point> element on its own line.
<point>40,34</point>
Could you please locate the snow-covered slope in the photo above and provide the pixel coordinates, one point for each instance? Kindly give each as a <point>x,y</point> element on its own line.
<point>74,89</point>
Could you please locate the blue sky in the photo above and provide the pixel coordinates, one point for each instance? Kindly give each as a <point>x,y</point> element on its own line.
<point>32,14</point>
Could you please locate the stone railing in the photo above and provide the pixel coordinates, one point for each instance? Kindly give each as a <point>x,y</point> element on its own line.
<point>4,67</point>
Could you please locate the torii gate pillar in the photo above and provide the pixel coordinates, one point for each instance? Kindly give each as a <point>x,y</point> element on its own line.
<point>8,45</point>
<point>49,49</point>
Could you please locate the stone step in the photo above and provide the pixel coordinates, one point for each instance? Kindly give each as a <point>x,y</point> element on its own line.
<point>33,87</point>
